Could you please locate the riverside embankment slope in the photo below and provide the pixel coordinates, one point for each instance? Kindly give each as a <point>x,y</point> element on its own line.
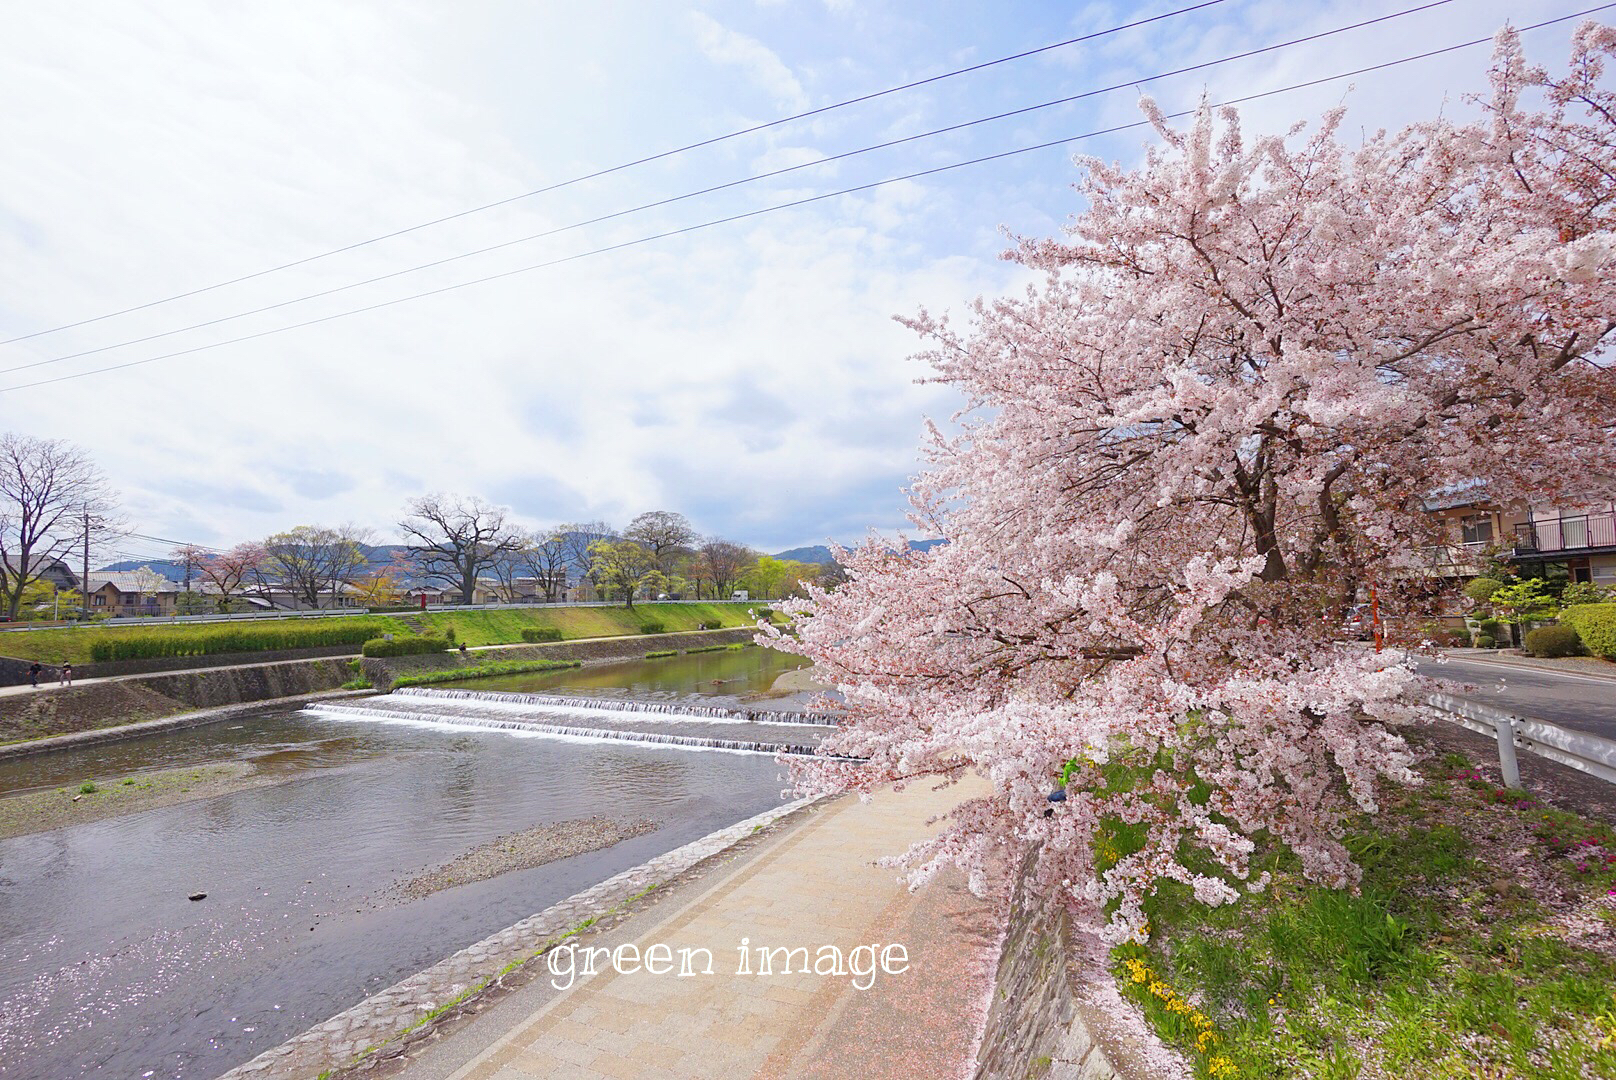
<point>107,704</point>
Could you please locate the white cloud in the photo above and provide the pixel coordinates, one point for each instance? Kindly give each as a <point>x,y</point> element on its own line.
<point>725,46</point>
<point>749,374</point>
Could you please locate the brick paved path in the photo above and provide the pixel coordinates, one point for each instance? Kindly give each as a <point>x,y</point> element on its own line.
<point>813,885</point>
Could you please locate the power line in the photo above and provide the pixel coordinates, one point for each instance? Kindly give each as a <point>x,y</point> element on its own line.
<point>1132,82</point>
<point>796,203</point>
<point>629,165</point>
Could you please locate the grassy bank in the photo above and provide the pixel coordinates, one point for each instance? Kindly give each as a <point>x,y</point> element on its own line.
<point>503,627</point>
<point>1481,944</point>
<point>81,645</point>
<point>483,670</point>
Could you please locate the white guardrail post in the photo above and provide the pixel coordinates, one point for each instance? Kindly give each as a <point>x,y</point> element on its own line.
<point>1591,754</point>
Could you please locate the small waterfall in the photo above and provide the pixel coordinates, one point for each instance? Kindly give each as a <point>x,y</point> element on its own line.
<point>362,712</point>
<point>680,710</point>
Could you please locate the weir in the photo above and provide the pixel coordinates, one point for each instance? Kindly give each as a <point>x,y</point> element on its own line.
<point>362,712</point>
<point>681,710</point>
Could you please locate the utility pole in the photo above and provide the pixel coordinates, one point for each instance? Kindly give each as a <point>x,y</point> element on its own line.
<point>84,582</point>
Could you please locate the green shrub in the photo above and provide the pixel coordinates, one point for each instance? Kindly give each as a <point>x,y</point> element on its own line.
<point>404,646</point>
<point>1486,641</point>
<point>240,637</point>
<point>1556,640</point>
<point>660,653</point>
<point>360,683</point>
<point>1481,590</point>
<point>1586,592</point>
<point>652,626</point>
<point>542,633</point>
<point>765,613</point>
<point>1595,624</point>
<point>1488,627</point>
<point>449,634</point>
<point>88,788</point>
<point>484,670</point>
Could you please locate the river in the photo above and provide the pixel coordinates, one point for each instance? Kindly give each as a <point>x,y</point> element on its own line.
<point>108,970</point>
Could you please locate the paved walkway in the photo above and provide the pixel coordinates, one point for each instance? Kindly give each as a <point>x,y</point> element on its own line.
<point>813,886</point>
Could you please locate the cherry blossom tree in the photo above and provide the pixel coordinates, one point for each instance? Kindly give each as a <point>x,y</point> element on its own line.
<point>1216,415</point>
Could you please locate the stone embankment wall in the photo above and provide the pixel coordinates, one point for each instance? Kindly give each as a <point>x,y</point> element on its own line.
<point>14,672</point>
<point>61,710</point>
<point>1039,1024</point>
<point>381,671</point>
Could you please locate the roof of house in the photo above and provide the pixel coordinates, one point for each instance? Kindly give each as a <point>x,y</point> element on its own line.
<point>131,581</point>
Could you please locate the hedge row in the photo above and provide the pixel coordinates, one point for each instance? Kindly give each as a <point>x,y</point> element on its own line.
<point>542,633</point>
<point>209,640</point>
<point>405,646</point>
<point>1595,625</point>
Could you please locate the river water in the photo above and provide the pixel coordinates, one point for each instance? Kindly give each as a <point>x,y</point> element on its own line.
<point>108,970</point>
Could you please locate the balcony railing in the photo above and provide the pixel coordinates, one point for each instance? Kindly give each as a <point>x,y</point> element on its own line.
<point>1567,534</point>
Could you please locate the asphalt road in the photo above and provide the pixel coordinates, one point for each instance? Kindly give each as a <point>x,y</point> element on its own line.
<point>1579,702</point>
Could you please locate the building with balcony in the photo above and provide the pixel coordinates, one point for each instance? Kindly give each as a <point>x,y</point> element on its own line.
<point>1575,543</point>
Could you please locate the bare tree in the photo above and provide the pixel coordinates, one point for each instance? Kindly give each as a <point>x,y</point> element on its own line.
<point>455,537</point>
<point>545,557</point>
<point>312,559</point>
<point>720,564</point>
<point>664,533</point>
<point>507,566</point>
<point>232,572</point>
<point>50,493</point>
<point>577,538</point>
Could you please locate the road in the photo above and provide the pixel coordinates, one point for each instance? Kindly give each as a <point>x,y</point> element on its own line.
<point>1580,702</point>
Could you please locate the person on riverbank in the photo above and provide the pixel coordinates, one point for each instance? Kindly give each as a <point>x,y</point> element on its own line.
<point>67,675</point>
<point>33,673</point>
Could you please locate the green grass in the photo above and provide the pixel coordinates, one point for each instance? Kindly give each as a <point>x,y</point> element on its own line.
<point>483,670</point>
<point>1439,966</point>
<point>501,627</point>
<point>76,644</point>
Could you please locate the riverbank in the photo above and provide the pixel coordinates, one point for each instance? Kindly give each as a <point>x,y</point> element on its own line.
<point>101,797</point>
<point>800,876</point>
<point>29,715</point>
<point>126,704</point>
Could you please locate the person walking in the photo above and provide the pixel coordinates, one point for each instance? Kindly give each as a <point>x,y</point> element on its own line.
<point>33,673</point>
<point>67,674</point>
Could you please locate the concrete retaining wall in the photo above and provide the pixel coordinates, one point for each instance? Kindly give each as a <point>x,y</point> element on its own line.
<point>14,672</point>
<point>1039,1025</point>
<point>61,710</point>
<point>381,671</point>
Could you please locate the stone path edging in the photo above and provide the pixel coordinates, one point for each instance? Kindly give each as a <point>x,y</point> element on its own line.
<point>342,1040</point>
<point>95,736</point>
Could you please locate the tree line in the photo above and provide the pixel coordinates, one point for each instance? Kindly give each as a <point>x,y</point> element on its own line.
<point>55,505</point>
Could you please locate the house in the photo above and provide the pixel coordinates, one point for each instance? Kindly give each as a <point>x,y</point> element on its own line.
<point>55,571</point>
<point>1573,542</point>
<point>487,591</point>
<point>132,592</point>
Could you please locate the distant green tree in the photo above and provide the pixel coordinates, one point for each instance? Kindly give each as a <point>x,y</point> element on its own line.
<point>625,567</point>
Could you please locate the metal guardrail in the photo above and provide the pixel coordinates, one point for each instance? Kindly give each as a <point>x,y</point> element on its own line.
<point>1579,750</point>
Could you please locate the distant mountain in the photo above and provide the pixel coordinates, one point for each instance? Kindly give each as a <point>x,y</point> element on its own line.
<point>819,553</point>
<point>173,571</point>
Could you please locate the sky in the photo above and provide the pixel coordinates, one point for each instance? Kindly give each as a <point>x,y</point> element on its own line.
<point>748,374</point>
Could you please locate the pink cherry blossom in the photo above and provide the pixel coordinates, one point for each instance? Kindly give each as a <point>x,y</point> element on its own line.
<point>1248,361</point>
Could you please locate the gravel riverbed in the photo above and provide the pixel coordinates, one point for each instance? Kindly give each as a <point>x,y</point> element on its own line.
<point>521,851</point>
